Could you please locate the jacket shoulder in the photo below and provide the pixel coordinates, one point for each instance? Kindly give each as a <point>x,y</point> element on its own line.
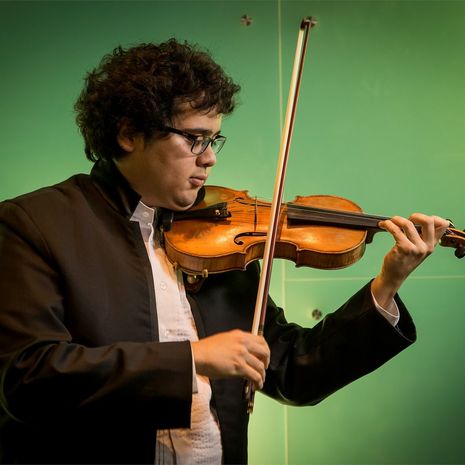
<point>44,208</point>
<point>60,191</point>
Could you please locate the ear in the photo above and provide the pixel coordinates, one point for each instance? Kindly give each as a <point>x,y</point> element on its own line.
<point>126,137</point>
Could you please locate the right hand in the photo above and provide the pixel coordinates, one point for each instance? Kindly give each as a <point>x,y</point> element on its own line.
<point>233,353</point>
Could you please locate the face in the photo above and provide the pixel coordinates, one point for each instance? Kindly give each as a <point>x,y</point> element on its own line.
<point>164,171</point>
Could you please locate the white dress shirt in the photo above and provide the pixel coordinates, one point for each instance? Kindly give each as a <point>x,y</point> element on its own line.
<point>201,443</point>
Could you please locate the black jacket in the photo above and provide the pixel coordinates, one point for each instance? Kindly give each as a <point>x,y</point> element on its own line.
<point>83,378</point>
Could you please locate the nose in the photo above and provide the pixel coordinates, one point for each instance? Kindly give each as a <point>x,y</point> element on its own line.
<point>207,158</point>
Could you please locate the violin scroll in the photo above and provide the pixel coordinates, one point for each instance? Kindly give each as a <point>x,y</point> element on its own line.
<point>456,239</point>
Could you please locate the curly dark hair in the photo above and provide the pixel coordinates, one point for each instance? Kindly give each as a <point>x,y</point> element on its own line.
<point>144,87</point>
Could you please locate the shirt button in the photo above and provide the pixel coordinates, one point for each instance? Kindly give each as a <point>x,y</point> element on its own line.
<point>163,286</point>
<point>146,214</point>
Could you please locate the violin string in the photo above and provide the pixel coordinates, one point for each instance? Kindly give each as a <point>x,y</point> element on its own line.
<point>322,215</point>
<point>260,222</point>
<point>309,208</point>
<point>341,213</point>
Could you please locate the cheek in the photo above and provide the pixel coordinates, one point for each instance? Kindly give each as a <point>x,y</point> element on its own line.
<point>181,168</point>
<point>172,166</point>
<point>173,177</point>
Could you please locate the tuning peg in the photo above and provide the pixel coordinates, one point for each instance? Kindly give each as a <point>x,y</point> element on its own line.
<point>460,251</point>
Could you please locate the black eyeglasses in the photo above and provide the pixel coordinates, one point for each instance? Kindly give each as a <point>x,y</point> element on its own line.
<point>199,143</point>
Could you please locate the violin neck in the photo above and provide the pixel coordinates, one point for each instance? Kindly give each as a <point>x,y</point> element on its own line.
<point>322,216</point>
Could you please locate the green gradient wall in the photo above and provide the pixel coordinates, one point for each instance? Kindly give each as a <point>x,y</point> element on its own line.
<point>380,121</point>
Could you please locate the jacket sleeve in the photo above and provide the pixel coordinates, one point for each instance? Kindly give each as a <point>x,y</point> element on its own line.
<point>308,364</point>
<point>45,375</point>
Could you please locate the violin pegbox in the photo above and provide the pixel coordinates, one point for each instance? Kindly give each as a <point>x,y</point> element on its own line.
<point>456,239</point>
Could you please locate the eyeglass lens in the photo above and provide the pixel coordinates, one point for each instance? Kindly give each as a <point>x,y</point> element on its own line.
<point>200,145</point>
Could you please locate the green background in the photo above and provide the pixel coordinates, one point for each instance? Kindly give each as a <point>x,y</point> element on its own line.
<point>380,121</point>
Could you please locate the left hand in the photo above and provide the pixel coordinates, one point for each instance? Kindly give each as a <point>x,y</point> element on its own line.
<point>410,249</point>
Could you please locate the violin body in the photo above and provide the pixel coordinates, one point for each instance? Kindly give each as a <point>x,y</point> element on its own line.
<point>217,245</point>
<point>227,230</point>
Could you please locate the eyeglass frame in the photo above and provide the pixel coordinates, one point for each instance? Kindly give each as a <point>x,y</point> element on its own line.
<point>195,139</point>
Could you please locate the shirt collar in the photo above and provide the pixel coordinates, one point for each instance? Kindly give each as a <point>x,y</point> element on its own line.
<point>144,214</point>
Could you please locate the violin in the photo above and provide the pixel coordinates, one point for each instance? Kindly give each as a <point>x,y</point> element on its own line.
<point>319,231</point>
<point>227,230</point>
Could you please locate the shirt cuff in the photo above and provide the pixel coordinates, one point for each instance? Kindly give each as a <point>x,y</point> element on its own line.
<point>391,313</point>
<point>195,389</point>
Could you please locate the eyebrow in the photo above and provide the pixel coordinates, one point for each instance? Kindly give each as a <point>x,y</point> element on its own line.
<point>201,131</point>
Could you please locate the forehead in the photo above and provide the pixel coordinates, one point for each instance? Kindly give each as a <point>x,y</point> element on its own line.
<point>188,117</point>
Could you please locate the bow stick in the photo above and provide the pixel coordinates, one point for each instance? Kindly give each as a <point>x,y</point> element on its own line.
<point>265,276</point>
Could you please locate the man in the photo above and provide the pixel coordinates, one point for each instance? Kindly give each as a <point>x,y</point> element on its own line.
<point>104,356</point>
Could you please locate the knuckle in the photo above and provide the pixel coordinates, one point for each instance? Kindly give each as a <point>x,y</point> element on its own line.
<point>418,216</point>
<point>237,366</point>
<point>418,254</point>
<point>239,336</point>
<point>400,220</point>
<point>242,351</point>
<point>409,249</point>
<point>416,250</point>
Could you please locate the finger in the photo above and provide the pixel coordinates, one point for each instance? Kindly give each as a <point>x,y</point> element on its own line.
<point>256,359</point>
<point>433,227</point>
<point>408,240</point>
<point>411,231</point>
<point>428,232</point>
<point>441,225</point>
<point>260,349</point>
<point>258,368</point>
<point>252,370</point>
<point>402,230</point>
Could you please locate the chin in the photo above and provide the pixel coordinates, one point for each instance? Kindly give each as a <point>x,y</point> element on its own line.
<point>182,204</point>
